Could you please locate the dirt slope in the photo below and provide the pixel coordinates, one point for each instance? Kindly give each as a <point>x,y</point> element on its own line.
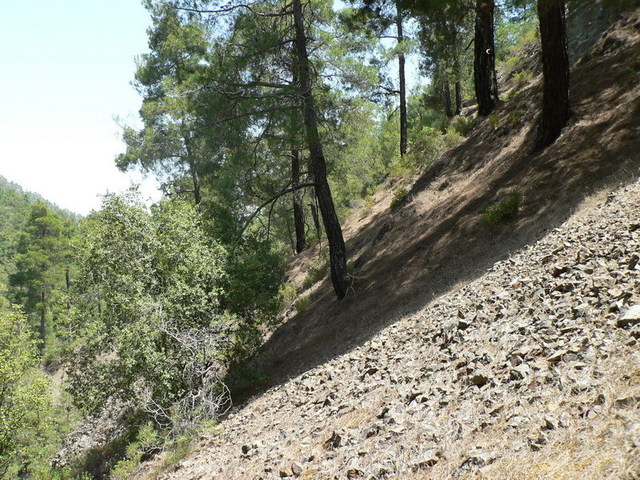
<point>406,257</point>
<point>512,369</point>
<point>530,372</point>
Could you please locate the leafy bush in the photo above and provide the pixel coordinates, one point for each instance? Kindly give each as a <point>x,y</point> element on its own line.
<point>399,196</point>
<point>148,327</point>
<point>302,304</point>
<point>24,398</point>
<point>462,125</point>
<point>506,209</point>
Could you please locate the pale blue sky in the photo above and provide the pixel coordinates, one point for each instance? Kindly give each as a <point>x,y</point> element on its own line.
<point>66,68</point>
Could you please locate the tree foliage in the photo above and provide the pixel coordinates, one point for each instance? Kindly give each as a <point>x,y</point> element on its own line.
<point>24,397</point>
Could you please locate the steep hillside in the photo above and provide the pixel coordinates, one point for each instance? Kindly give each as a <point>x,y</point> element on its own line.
<point>530,372</point>
<point>467,349</point>
<point>404,257</point>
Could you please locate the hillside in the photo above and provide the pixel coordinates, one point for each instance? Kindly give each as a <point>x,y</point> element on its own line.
<point>15,204</point>
<point>469,350</point>
<point>528,372</point>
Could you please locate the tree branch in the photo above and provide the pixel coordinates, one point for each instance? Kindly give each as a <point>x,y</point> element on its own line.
<point>271,200</point>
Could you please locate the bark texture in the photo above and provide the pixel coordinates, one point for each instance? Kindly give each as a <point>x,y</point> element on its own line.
<point>404,142</point>
<point>298,213</point>
<point>484,63</point>
<point>555,69</point>
<point>317,163</point>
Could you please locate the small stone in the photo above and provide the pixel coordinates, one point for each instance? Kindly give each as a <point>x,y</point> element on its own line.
<point>630,317</point>
<point>355,473</point>
<point>549,424</point>
<point>296,468</point>
<point>479,378</point>
<point>285,472</point>
<point>428,459</point>
<point>333,441</point>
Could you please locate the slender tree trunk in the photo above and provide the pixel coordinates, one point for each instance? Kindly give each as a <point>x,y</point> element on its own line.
<point>195,179</point>
<point>316,221</point>
<point>555,69</point>
<point>317,163</point>
<point>484,63</point>
<point>67,278</point>
<point>298,213</point>
<point>43,319</point>
<point>446,98</point>
<point>404,141</point>
<point>458,85</point>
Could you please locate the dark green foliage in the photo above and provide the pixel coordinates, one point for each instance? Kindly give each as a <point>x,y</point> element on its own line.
<point>144,280</point>
<point>504,210</point>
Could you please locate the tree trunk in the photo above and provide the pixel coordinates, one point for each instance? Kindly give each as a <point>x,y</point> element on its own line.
<point>317,163</point>
<point>458,85</point>
<point>484,62</point>
<point>43,319</point>
<point>316,221</point>
<point>67,278</point>
<point>555,69</point>
<point>446,98</point>
<point>298,213</point>
<point>403,85</point>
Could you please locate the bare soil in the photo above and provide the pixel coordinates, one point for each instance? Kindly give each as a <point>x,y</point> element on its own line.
<point>406,257</point>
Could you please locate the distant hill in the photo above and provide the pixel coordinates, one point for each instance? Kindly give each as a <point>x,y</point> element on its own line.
<point>15,203</point>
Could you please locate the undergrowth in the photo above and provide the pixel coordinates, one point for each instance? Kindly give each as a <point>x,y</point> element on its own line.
<point>504,210</point>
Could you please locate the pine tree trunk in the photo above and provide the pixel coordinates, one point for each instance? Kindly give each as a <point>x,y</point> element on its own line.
<point>67,277</point>
<point>298,213</point>
<point>484,62</point>
<point>446,99</point>
<point>317,163</point>
<point>404,142</point>
<point>555,68</point>
<point>457,74</point>
<point>43,319</point>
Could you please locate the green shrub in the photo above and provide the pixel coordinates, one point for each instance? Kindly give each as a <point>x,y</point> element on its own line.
<point>288,294</point>
<point>494,120</point>
<point>399,197</point>
<point>146,442</point>
<point>302,304</point>
<point>462,125</point>
<point>504,210</point>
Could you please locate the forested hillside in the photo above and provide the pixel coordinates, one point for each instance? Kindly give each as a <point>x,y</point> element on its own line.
<point>311,199</point>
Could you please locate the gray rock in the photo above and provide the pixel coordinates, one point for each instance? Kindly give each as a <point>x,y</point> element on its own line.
<point>630,317</point>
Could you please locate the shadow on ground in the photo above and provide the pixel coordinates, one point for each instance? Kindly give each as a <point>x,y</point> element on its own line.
<point>437,240</point>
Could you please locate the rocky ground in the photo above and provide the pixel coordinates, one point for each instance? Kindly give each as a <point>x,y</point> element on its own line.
<point>531,371</point>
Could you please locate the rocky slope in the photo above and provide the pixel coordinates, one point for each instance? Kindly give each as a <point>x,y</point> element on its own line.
<point>531,371</point>
<point>456,358</point>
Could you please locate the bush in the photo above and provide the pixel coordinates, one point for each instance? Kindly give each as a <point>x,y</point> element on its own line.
<point>302,304</point>
<point>462,125</point>
<point>148,327</point>
<point>399,197</point>
<point>24,396</point>
<point>504,210</point>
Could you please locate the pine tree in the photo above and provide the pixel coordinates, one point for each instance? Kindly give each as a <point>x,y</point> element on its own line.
<point>39,278</point>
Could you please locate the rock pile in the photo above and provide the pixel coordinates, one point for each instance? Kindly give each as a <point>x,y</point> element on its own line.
<point>531,371</point>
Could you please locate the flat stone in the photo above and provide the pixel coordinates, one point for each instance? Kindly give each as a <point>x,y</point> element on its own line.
<point>630,317</point>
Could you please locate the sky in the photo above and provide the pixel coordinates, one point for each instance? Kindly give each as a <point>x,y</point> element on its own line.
<point>66,70</point>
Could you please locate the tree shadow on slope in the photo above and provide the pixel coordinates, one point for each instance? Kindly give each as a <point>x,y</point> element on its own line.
<point>437,240</point>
